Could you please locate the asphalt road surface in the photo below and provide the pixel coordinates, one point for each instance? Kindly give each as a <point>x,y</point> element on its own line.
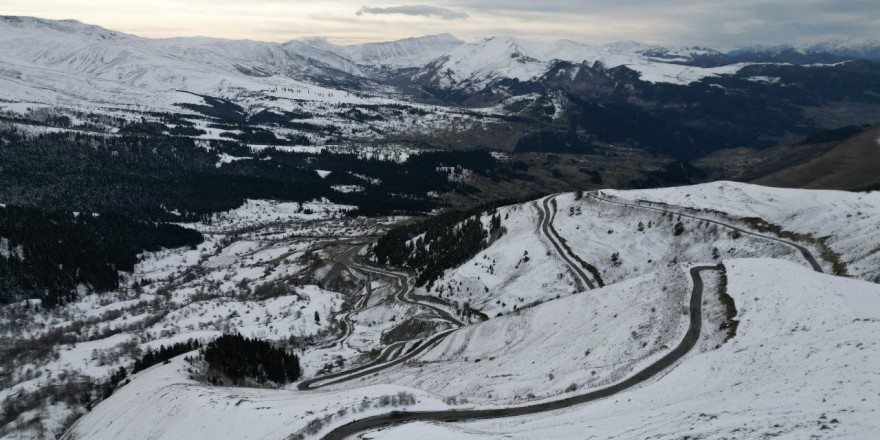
<point>551,234</point>
<point>687,343</point>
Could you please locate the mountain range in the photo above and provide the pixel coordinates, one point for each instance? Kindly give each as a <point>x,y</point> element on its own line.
<point>559,96</point>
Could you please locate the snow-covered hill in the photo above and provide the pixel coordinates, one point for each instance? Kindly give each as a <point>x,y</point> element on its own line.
<point>108,60</point>
<point>624,241</point>
<point>847,222</point>
<point>800,361</point>
<point>802,365</point>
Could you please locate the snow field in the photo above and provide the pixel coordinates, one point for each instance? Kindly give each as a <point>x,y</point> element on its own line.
<point>162,403</point>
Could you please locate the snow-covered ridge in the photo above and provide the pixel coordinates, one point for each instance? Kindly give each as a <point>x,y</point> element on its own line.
<point>847,221</point>
<point>476,65</point>
<point>409,52</point>
<point>845,47</point>
<point>800,366</point>
<point>49,57</point>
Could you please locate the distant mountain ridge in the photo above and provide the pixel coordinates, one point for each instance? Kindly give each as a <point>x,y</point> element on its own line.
<point>683,101</point>
<point>841,49</point>
<point>441,61</point>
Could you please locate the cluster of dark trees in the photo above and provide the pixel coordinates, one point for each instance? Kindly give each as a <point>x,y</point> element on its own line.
<point>218,108</point>
<point>449,239</point>
<point>241,359</point>
<point>163,354</point>
<point>46,254</point>
<point>444,248</point>
<point>130,182</point>
<point>171,178</point>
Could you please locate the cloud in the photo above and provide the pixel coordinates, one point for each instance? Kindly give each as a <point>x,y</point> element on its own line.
<point>416,10</point>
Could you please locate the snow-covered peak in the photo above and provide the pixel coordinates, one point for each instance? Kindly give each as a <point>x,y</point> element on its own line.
<point>408,52</point>
<point>19,27</point>
<point>476,65</point>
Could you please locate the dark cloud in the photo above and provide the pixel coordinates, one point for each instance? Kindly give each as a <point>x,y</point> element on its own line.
<point>723,23</point>
<point>416,10</point>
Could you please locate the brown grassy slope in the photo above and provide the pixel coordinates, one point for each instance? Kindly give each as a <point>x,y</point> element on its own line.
<point>851,164</point>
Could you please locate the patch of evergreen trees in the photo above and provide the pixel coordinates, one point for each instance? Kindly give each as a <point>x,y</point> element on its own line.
<point>46,255</point>
<point>171,178</point>
<point>163,354</point>
<point>241,359</point>
<point>449,239</point>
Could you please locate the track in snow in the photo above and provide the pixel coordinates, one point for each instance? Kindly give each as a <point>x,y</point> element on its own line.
<point>803,250</point>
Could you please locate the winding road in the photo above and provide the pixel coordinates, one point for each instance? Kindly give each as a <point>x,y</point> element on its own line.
<point>550,232</point>
<point>385,358</point>
<point>403,280</point>
<point>670,358</point>
<point>687,343</point>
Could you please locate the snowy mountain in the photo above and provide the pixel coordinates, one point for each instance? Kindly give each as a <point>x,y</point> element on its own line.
<point>37,52</point>
<point>409,52</point>
<point>477,65</point>
<point>822,52</point>
<point>159,64</point>
<point>360,88</point>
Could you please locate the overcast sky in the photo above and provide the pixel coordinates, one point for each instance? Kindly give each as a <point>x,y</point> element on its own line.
<point>721,24</point>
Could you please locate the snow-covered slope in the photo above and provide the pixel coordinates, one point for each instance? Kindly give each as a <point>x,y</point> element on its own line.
<point>621,242</point>
<point>801,361</point>
<point>476,65</point>
<point>517,270</point>
<point>164,403</point>
<point>802,365</point>
<point>409,52</point>
<point>192,64</point>
<point>581,341</point>
<point>846,221</point>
